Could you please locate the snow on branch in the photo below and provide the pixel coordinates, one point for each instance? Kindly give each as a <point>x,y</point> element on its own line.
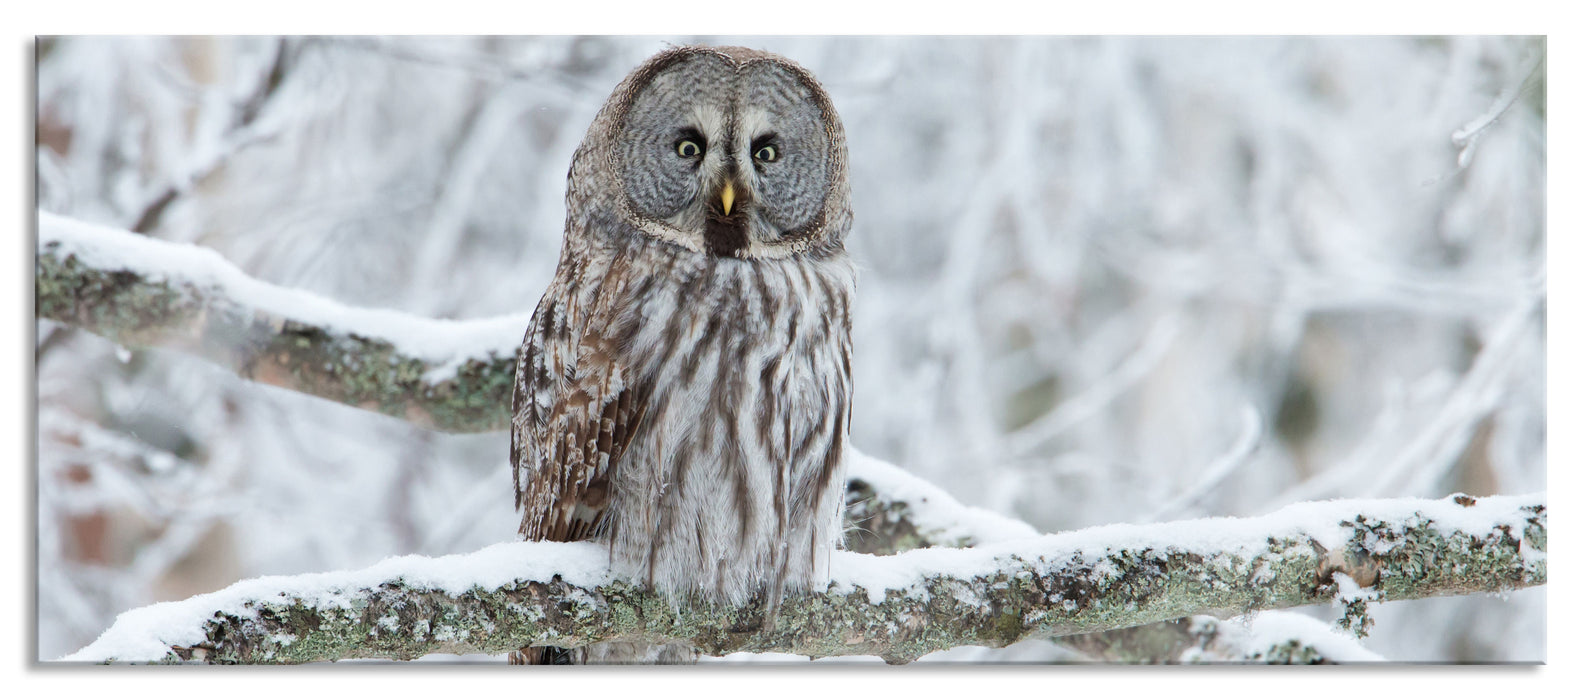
<point>1268,637</point>
<point>453,376</point>
<point>889,510</point>
<point>898,606</point>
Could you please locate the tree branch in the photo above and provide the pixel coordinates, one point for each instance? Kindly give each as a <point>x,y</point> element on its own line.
<point>899,607</point>
<point>243,133</point>
<point>453,376</point>
<point>888,510</point>
<point>1269,637</point>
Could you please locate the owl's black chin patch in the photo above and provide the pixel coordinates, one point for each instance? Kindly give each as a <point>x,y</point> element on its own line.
<point>724,235</point>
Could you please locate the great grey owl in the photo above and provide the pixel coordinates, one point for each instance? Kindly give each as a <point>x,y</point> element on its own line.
<point>684,391</point>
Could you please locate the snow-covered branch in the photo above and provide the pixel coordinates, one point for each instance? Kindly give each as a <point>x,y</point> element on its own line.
<point>453,376</point>
<point>898,606</point>
<point>1269,637</point>
<point>889,510</point>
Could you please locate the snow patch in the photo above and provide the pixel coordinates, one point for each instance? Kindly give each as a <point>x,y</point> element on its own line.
<point>444,344</point>
<point>935,512</point>
<point>1274,628</point>
<point>147,633</point>
<point>1210,537</point>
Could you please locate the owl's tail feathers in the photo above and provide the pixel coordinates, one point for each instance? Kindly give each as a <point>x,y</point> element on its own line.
<point>544,656</point>
<point>777,589</point>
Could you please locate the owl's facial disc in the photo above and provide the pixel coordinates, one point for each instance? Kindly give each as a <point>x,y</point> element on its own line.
<point>784,149</point>
<point>732,157</point>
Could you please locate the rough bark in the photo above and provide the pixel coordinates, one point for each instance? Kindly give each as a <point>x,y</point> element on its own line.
<point>1040,587</point>
<point>359,369</point>
<point>880,522</point>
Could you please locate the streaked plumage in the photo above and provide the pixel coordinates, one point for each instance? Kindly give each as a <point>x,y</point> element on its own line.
<point>684,390</point>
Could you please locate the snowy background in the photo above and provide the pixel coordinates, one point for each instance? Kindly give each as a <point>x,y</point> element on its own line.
<point>1104,280</point>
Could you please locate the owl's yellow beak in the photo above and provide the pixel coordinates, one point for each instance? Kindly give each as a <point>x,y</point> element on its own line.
<point>727,197</point>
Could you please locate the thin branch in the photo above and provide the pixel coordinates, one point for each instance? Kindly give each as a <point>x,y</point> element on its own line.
<point>242,134</point>
<point>1414,460</point>
<point>1218,470</point>
<point>1465,139</point>
<point>478,65</point>
<point>1100,394</point>
<point>898,607</point>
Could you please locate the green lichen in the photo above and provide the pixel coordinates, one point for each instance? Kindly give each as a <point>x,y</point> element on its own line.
<point>351,369</point>
<point>1025,597</point>
<point>1290,652</point>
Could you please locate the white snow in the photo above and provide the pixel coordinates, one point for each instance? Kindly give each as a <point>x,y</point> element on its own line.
<point>145,634</point>
<point>933,511</point>
<point>445,344</point>
<point>900,572</point>
<point>748,657</point>
<point>1275,627</point>
<point>1319,521</point>
<point>1348,590</point>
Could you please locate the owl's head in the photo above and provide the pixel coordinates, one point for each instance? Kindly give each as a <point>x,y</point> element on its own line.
<point>724,150</point>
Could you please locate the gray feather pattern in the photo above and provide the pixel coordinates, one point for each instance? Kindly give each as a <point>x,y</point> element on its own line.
<point>684,402</point>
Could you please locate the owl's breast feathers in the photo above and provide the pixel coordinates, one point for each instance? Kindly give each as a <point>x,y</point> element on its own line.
<point>692,411</point>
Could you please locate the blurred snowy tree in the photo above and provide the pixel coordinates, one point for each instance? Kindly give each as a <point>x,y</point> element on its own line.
<point>1312,267</point>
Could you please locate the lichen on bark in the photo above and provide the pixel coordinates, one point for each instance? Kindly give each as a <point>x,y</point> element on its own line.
<point>143,311</point>
<point>1029,592</point>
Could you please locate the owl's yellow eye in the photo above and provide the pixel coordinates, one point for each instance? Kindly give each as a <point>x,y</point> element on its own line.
<point>767,154</point>
<point>687,148</point>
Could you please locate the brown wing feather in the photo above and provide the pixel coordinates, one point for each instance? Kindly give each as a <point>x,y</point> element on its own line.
<point>564,450</point>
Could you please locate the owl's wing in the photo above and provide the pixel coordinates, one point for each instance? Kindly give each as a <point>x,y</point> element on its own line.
<point>574,412</point>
